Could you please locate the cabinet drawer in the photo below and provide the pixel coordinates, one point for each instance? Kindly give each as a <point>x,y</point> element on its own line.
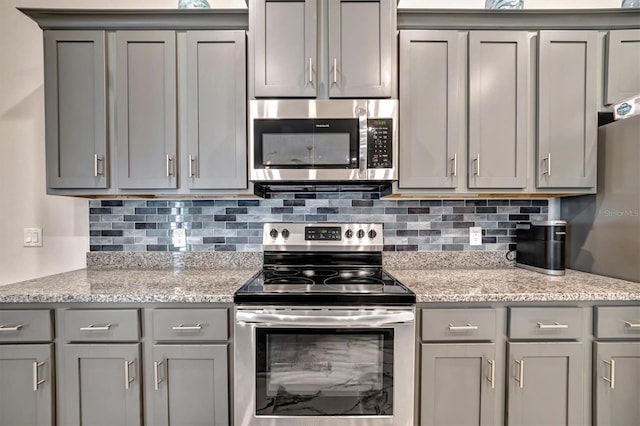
<point>458,324</point>
<point>617,322</point>
<point>25,326</point>
<point>110,325</point>
<point>545,323</point>
<point>190,324</point>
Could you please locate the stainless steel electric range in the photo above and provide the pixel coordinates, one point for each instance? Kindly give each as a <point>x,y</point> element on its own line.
<point>323,334</point>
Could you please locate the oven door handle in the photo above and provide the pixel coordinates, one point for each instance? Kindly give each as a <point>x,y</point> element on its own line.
<point>364,320</point>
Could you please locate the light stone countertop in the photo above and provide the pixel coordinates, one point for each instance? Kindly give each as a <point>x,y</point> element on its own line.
<point>513,285</point>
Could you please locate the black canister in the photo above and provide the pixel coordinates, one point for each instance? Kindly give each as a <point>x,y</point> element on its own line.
<point>540,246</point>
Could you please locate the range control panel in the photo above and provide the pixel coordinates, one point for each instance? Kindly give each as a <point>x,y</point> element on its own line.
<point>323,233</point>
<point>294,236</point>
<point>379,143</point>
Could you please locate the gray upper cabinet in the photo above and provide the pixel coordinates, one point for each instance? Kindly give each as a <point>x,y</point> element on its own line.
<point>145,87</point>
<point>498,109</point>
<point>623,65</point>
<point>75,106</point>
<point>285,59</point>
<point>458,384</point>
<point>101,385</point>
<point>361,34</point>
<point>567,109</point>
<point>617,383</point>
<point>430,102</point>
<point>545,384</point>
<point>215,156</point>
<point>190,385</point>
<point>26,393</point>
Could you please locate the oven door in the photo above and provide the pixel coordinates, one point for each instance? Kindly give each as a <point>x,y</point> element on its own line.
<point>324,366</point>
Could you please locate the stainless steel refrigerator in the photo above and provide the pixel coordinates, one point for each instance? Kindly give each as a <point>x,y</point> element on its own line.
<point>603,231</point>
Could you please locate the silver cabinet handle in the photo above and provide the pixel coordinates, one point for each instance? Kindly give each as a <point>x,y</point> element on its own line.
<point>335,71</point>
<point>96,169</point>
<point>11,327</point>
<point>169,165</point>
<point>554,326</point>
<point>612,377</point>
<point>455,165</point>
<point>467,327</point>
<point>548,160</point>
<point>95,327</point>
<point>127,378</point>
<point>193,170</point>
<point>183,327</point>
<point>156,379</point>
<point>476,160</point>
<point>520,378</point>
<point>311,70</point>
<point>492,373</point>
<point>36,382</point>
<point>631,324</point>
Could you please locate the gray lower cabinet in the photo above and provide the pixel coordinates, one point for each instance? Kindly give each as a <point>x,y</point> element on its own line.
<point>102,385</point>
<point>190,385</point>
<point>26,389</point>
<point>567,109</point>
<point>623,65</point>
<point>75,109</point>
<point>545,383</point>
<point>498,109</point>
<point>430,100</point>
<point>458,384</point>
<point>145,90</point>
<point>216,151</point>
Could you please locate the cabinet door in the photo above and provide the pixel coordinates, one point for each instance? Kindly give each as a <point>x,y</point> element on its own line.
<point>623,65</point>
<point>361,34</point>
<point>457,384</point>
<point>216,110</point>
<point>101,385</point>
<point>190,385</point>
<point>498,109</point>
<point>75,106</point>
<point>617,387</point>
<point>146,138</point>
<point>26,392</point>
<point>567,109</point>
<point>285,48</point>
<point>429,107</point>
<point>545,384</point>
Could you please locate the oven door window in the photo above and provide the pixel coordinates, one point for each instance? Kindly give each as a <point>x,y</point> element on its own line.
<point>335,372</point>
<point>306,143</point>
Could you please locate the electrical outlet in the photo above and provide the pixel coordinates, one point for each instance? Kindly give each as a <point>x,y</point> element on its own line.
<point>179,237</point>
<point>32,237</point>
<point>475,236</point>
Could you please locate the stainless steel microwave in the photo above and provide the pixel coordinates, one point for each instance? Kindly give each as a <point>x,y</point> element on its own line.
<point>323,140</point>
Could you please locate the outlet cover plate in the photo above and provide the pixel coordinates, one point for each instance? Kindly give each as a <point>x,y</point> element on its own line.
<point>475,236</point>
<point>32,237</point>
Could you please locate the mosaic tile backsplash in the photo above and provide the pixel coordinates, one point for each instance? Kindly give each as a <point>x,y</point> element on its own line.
<point>236,225</point>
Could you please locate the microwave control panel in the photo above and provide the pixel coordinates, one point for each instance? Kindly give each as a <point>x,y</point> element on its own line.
<point>379,143</point>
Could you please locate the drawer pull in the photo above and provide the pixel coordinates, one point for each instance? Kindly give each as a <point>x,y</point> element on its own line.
<point>127,378</point>
<point>467,327</point>
<point>612,378</point>
<point>520,378</point>
<point>156,379</point>
<point>631,324</point>
<point>554,326</point>
<point>36,382</point>
<point>492,373</point>
<point>11,327</point>
<point>95,327</point>
<point>183,327</point>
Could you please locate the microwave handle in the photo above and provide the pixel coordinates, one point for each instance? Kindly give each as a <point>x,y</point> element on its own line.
<point>362,126</point>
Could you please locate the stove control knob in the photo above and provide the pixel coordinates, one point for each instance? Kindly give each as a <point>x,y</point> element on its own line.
<point>285,233</point>
<point>274,233</point>
<point>372,234</point>
<point>349,233</point>
<point>360,234</point>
